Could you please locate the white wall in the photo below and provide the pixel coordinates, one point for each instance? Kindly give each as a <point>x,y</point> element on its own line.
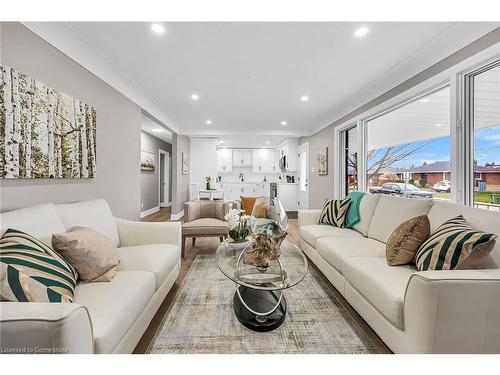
<point>203,160</point>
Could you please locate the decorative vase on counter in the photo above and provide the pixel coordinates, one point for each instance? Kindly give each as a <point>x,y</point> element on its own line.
<point>208,185</point>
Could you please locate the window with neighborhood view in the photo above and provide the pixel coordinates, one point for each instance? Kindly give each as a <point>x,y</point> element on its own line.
<point>486,119</point>
<point>408,149</point>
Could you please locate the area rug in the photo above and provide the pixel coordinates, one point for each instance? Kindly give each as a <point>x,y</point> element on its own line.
<point>201,319</point>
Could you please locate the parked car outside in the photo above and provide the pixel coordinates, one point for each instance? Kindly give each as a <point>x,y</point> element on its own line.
<point>402,189</point>
<point>442,186</point>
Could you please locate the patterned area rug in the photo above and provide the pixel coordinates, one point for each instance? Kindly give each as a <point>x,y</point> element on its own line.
<point>201,319</point>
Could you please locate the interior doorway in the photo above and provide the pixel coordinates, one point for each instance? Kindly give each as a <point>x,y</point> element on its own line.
<point>303,176</point>
<point>164,179</point>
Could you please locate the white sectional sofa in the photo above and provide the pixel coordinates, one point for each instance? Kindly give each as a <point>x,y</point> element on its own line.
<point>106,317</point>
<point>454,311</point>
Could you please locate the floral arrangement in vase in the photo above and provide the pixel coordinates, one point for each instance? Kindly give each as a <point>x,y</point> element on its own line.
<point>208,179</point>
<point>239,226</point>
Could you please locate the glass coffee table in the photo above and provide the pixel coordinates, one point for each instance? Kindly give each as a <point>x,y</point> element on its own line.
<point>259,303</point>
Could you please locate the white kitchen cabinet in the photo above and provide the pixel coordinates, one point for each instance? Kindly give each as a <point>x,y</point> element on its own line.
<point>288,195</point>
<point>242,158</point>
<point>225,161</point>
<point>259,190</point>
<point>265,161</point>
<point>234,190</point>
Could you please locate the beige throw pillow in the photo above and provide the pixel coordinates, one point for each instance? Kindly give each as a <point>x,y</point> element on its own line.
<point>93,255</point>
<point>406,239</point>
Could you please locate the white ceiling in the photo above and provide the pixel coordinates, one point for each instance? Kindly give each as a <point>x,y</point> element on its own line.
<point>429,117</point>
<point>250,76</point>
<point>147,125</point>
<point>250,141</point>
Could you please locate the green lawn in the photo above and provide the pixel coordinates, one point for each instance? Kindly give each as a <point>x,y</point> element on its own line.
<point>484,197</point>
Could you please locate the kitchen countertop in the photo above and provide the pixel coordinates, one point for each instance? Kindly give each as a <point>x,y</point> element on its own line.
<point>244,182</point>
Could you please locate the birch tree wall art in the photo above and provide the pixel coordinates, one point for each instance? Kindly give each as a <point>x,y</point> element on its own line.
<point>44,133</point>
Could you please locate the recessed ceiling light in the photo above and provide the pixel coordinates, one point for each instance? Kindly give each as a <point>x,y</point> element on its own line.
<point>304,98</point>
<point>439,125</point>
<point>361,32</point>
<point>283,123</point>
<point>267,142</point>
<point>423,100</point>
<point>157,28</point>
<point>157,130</point>
<point>209,122</point>
<point>195,97</point>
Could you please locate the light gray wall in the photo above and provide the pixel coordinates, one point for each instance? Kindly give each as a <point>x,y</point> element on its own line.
<point>180,182</point>
<point>321,187</point>
<point>118,130</point>
<point>149,180</point>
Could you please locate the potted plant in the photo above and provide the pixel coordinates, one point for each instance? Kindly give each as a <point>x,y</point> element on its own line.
<point>239,228</point>
<point>208,179</point>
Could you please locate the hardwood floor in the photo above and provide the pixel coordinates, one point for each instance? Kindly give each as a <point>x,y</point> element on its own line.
<point>163,215</point>
<point>207,246</point>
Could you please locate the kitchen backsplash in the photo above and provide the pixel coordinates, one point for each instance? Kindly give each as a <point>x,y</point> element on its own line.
<point>250,176</point>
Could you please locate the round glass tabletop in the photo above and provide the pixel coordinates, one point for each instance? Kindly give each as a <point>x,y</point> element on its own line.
<point>288,270</point>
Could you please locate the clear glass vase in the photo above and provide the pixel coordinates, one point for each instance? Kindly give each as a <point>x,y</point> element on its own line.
<point>270,217</point>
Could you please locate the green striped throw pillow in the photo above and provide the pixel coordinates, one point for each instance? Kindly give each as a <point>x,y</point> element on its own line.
<point>31,271</point>
<point>334,212</point>
<point>454,245</point>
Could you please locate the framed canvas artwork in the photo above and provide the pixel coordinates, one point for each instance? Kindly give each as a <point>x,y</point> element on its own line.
<point>322,157</point>
<point>147,161</point>
<point>44,133</point>
<point>185,163</point>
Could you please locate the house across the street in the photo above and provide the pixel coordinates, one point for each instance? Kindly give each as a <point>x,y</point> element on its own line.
<point>486,177</point>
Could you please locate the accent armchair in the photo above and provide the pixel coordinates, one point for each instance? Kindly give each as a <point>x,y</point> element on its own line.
<point>204,219</point>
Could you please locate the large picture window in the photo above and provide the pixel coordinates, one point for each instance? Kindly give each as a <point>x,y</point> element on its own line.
<point>408,149</point>
<point>486,123</point>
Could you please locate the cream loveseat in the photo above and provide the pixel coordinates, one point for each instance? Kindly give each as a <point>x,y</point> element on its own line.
<point>106,317</point>
<point>454,311</point>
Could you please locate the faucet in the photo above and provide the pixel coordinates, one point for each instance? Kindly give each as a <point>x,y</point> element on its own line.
<point>241,177</point>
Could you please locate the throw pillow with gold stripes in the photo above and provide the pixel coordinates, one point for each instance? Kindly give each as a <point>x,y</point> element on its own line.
<point>454,245</point>
<point>31,271</point>
<point>334,212</point>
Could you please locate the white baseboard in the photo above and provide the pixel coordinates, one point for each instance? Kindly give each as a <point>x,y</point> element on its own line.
<point>166,204</point>
<point>150,211</point>
<point>177,216</point>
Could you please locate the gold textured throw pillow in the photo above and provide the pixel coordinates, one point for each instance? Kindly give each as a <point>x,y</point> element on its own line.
<point>93,255</point>
<point>406,240</point>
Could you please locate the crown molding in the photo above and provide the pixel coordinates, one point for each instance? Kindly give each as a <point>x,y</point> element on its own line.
<point>63,37</point>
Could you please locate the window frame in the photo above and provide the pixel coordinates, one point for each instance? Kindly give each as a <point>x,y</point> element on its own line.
<point>460,126</point>
<point>466,79</point>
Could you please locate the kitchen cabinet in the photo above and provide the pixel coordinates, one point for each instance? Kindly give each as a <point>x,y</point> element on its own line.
<point>225,161</point>
<point>233,190</point>
<point>242,158</point>
<point>288,195</point>
<point>265,161</point>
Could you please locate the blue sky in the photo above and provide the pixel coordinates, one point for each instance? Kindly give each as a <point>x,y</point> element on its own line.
<point>487,149</point>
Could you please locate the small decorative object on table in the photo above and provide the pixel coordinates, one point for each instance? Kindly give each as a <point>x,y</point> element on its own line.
<point>271,223</point>
<point>239,228</point>
<point>208,179</point>
<point>264,249</point>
